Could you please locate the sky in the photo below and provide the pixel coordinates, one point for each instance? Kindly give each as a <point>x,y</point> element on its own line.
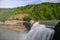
<point>18,3</point>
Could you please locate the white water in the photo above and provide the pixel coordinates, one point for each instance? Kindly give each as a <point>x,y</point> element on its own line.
<point>37,32</point>
<point>40,32</point>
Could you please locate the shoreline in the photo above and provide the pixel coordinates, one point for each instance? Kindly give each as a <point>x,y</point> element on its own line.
<point>13,22</point>
<point>19,26</point>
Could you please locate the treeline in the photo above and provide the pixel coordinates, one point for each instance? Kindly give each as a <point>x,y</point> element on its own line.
<point>43,11</point>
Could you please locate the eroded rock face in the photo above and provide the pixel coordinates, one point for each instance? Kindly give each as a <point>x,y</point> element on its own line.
<point>18,25</point>
<point>16,22</point>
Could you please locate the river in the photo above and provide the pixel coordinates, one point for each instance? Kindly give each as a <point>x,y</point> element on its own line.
<point>7,34</point>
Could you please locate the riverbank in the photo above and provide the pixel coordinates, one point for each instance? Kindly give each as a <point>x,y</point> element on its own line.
<point>22,26</point>
<point>16,25</point>
<point>13,22</point>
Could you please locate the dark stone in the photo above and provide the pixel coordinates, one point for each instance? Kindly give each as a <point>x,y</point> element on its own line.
<point>27,19</point>
<point>27,25</point>
<point>57,32</point>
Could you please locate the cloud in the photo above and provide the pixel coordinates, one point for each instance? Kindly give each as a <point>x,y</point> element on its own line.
<point>15,3</point>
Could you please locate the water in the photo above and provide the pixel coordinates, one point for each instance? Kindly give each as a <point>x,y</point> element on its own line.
<point>6,34</point>
<point>40,32</point>
<point>36,33</point>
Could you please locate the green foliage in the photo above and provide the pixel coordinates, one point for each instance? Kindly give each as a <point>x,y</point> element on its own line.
<point>44,11</point>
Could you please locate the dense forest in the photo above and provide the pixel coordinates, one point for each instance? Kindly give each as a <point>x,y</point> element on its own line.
<point>43,11</point>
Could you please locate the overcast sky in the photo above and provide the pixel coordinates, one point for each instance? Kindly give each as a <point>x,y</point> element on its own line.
<point>16,3</point>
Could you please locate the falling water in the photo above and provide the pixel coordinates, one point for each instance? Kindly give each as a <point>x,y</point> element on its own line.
<point>40,32</point>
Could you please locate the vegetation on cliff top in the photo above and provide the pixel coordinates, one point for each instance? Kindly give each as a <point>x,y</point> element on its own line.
<point>43,11</point>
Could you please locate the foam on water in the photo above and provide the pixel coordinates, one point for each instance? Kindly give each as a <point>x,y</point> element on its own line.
<point>40,32</point>
<point>37,32</point>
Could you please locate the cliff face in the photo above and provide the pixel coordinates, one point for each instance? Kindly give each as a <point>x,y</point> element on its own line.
<point>18,25</point>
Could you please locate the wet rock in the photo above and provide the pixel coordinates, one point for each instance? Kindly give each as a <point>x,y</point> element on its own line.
<point>57,32</point>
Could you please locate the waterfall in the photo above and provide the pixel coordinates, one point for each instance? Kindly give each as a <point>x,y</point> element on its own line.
<point>40,32</point>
